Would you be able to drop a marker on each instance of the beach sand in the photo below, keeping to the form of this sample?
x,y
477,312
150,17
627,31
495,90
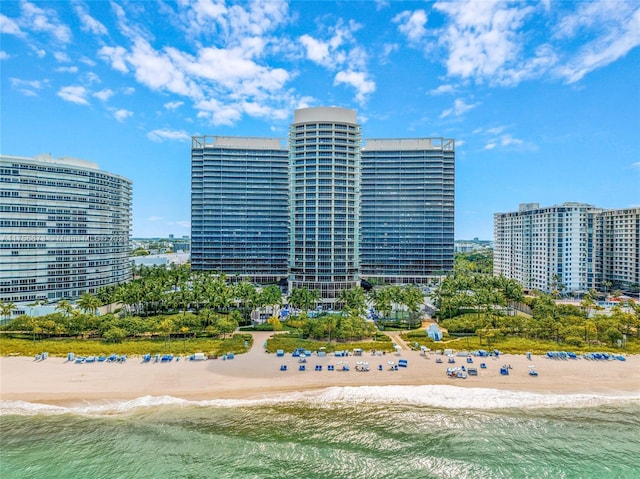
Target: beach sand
x,y
257,375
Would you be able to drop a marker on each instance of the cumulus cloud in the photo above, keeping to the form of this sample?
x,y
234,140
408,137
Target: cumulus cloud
x,y
608,45
88,23
412,24
4,55
163,134
121,114
74,94
45,20
459,108
508,141
8,26
67,69
442,89
104,95
359,81
116,56
26,87
482,37
173,105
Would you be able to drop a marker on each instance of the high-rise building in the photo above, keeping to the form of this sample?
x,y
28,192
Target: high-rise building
x,y
65,228
239,200
407,218
618,248
321,209
324,202
568,248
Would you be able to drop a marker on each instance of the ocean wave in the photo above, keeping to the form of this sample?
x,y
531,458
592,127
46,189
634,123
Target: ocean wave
x,y
446,397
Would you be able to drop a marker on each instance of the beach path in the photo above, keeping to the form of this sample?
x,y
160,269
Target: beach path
x,y
395,337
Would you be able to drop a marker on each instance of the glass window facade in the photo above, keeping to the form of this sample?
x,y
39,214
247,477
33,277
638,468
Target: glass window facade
x,y
65,228
407,220
239,199
324,206
322,210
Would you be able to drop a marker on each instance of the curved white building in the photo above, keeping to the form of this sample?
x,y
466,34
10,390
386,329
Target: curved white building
x,y
65,228
324,200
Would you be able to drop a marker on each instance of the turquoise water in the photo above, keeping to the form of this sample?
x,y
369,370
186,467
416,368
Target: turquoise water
x,y
387,432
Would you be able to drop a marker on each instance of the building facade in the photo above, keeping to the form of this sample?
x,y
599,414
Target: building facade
x,y
322,209
618,249
324,201
407,219
65,228
571,247
239,207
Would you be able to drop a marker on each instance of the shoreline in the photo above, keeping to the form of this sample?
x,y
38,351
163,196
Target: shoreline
x,y
256,375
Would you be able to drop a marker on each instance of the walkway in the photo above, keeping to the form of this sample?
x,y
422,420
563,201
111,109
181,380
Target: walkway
x,y
395,337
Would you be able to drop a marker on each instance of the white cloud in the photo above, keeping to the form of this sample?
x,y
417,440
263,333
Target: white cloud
x,y
88,23
317,51
8,26
26,87
442,89
74,94
155,218
333,52
459,108
44,20
121,114
104,95
4,55
635,165
116,56
412,24
482,38
166,134
505,141
609,45
359,81
61,57
173,105
157,70
183,223
67,69
219,113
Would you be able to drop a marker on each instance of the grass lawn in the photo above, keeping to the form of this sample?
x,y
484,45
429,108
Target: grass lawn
x,y
131,347
288,343
514,345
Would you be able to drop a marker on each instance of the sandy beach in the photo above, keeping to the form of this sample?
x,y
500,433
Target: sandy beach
x,y
257,374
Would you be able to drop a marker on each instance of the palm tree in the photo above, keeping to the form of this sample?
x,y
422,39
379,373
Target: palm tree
x,y
65,307
354,301
88,303
6,309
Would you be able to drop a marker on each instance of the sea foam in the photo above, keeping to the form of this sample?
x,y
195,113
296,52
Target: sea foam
x,y
447,397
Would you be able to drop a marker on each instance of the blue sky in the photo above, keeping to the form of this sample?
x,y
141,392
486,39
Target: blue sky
x,y
542,98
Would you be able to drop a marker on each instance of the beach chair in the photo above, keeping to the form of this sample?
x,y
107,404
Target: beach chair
x,y
302,367
283,367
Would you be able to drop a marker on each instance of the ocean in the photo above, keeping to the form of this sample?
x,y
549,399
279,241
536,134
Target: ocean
x,y
347,432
